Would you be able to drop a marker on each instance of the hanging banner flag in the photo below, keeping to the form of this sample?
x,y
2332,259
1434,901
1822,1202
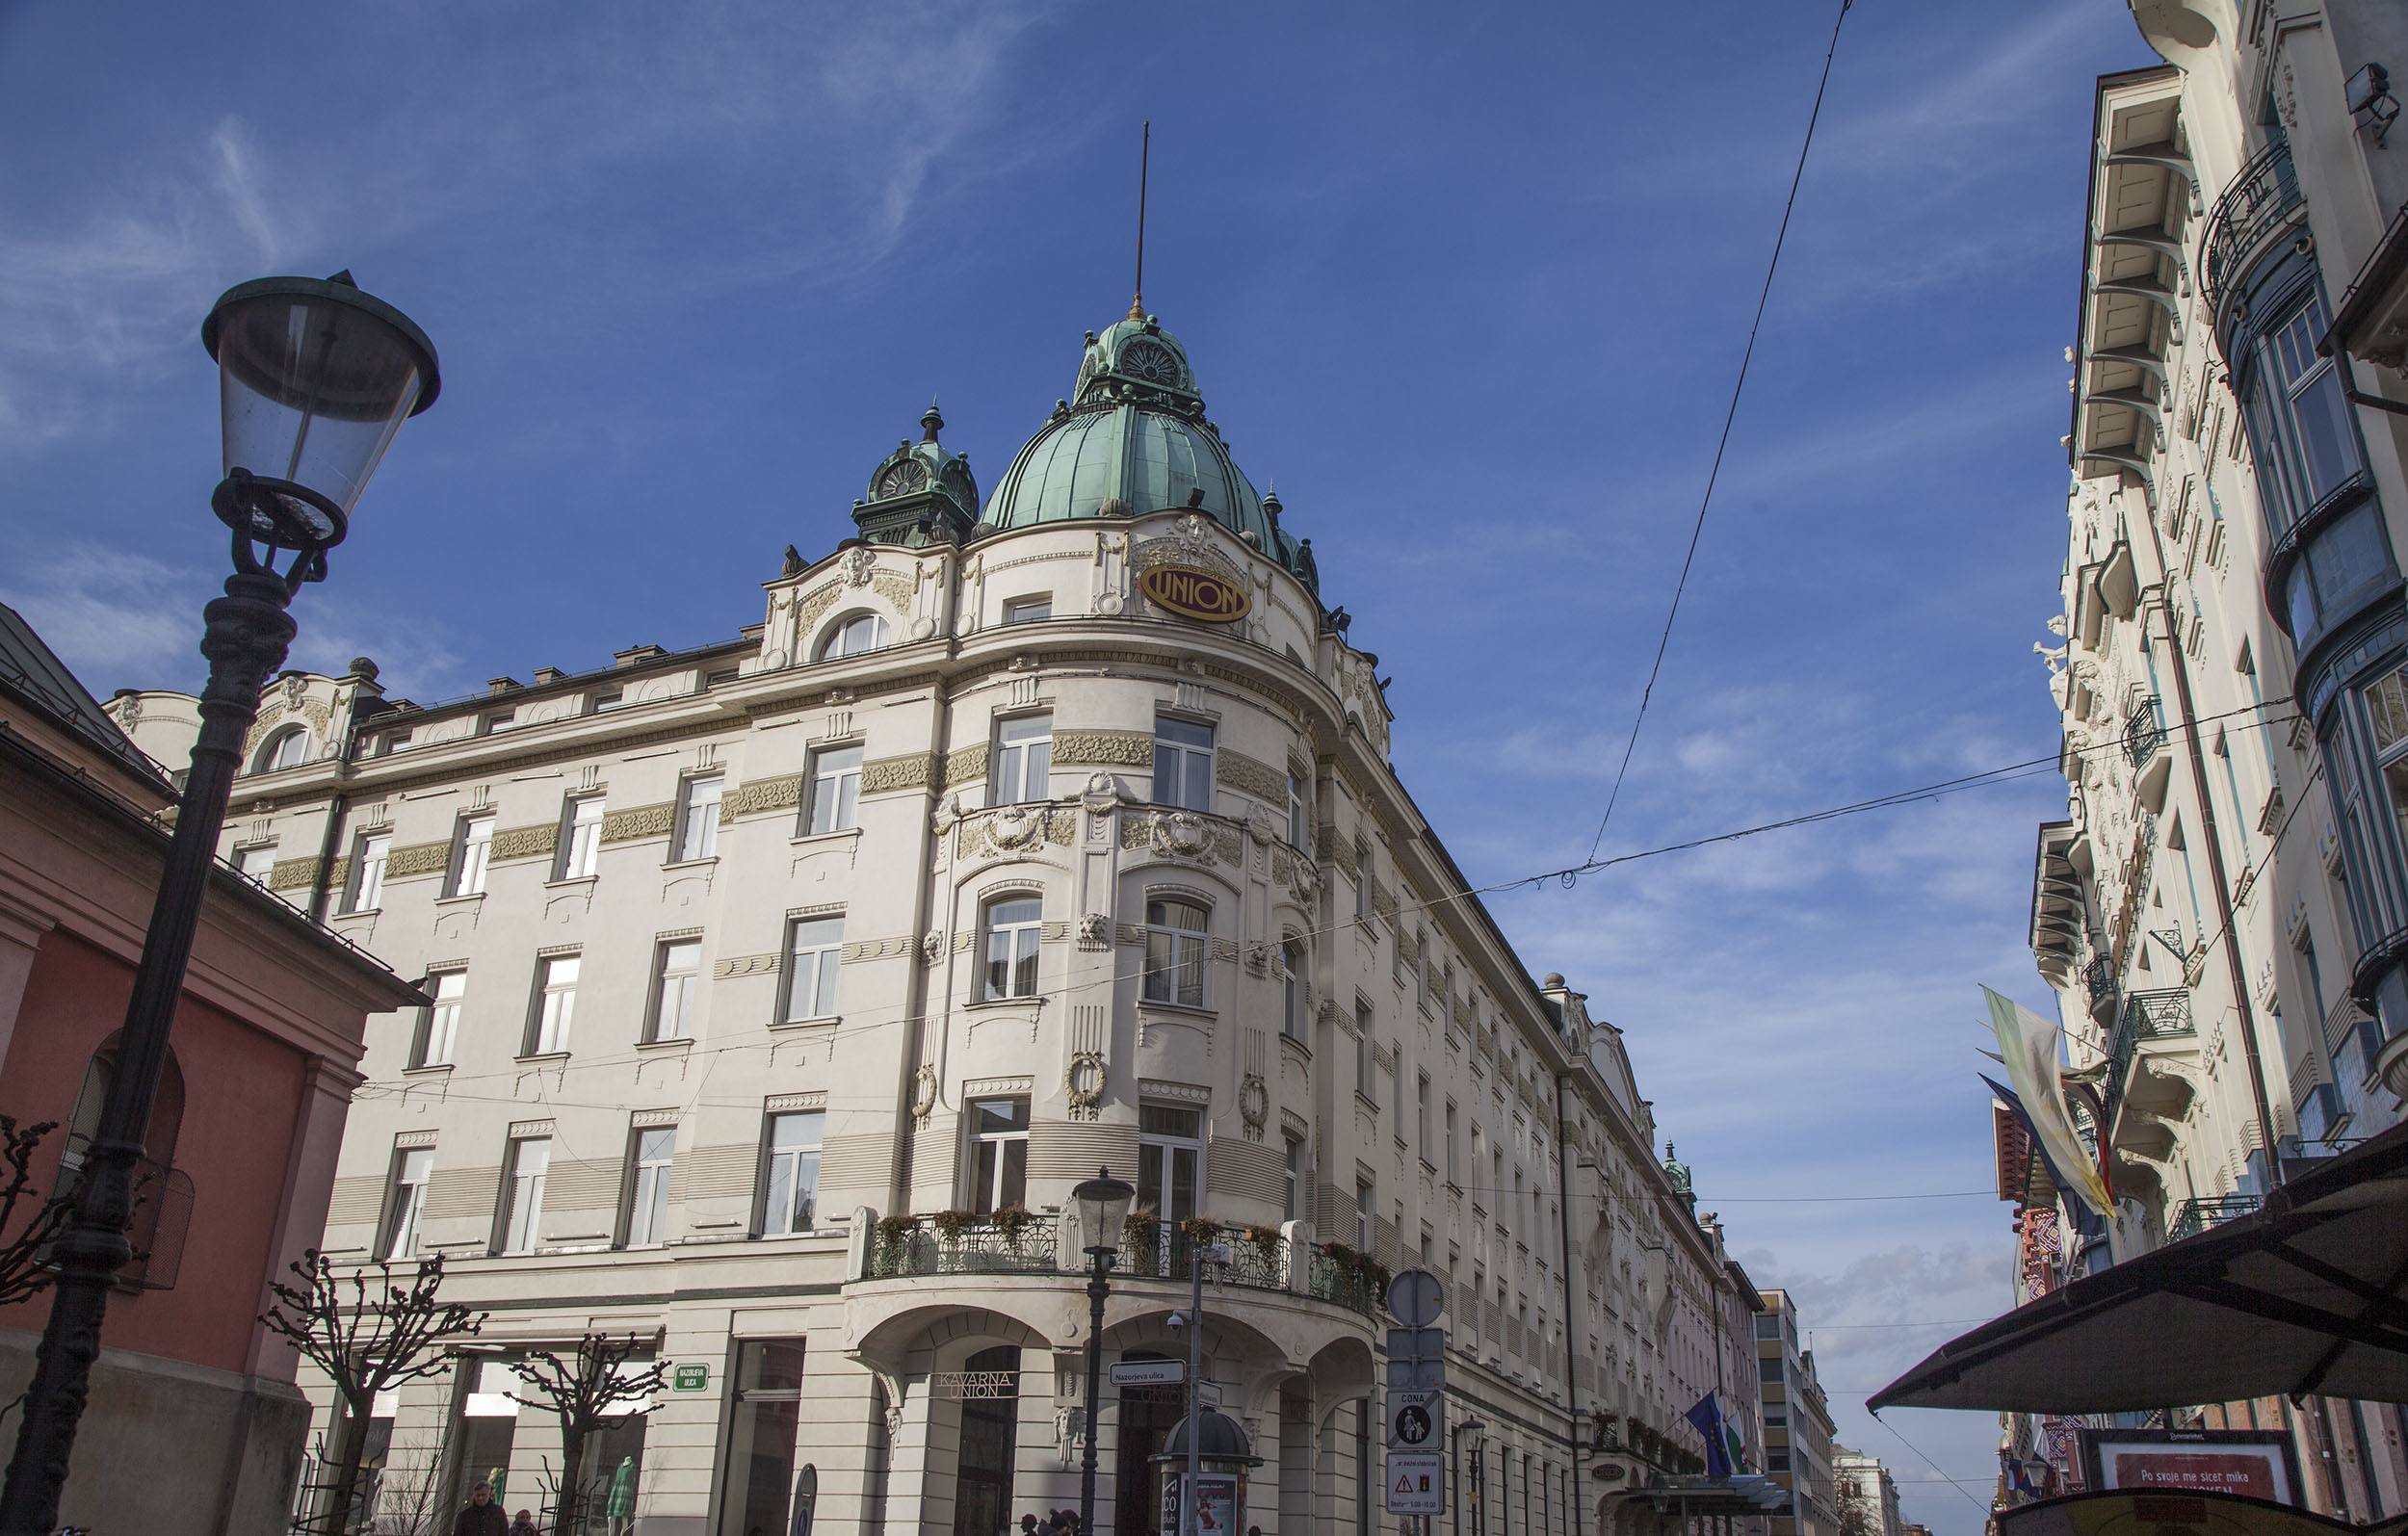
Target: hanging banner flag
x,y
2030,1045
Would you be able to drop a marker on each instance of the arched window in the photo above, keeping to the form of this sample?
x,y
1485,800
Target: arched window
x,y
166,1112
1014,924
1175,938
286,748
852,635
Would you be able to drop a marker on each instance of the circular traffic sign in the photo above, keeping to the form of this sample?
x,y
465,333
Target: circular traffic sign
x,y
1416,1297
1412,1424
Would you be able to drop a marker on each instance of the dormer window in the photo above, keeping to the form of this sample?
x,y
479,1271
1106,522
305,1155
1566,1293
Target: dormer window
x,y
286,748
852,636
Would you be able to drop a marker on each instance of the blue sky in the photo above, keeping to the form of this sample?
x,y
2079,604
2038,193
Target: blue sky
x,y
1469,282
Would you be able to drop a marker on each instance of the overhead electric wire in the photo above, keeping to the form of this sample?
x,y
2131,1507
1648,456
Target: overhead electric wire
x,y
1698,530
1569,874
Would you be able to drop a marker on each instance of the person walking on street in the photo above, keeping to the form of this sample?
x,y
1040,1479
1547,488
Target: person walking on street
x,y
481,1516
524,1524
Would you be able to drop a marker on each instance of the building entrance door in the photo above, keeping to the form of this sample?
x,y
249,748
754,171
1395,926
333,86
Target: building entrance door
x,y
1146,1417
990,1432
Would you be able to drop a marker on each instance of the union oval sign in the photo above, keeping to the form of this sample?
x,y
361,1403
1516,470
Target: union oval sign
x,y
1195,595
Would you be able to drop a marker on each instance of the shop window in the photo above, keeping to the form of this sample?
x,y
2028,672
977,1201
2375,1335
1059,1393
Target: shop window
x,y
488,1429
990,1416
759,1459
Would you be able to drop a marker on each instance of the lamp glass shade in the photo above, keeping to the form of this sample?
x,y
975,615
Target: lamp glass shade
x,y
314,379
1103,1207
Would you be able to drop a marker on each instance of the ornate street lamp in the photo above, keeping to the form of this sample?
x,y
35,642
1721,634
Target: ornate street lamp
x,y
314,379
1103,1207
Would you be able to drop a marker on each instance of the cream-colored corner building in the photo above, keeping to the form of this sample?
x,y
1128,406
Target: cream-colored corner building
x,y
784,987
2224,907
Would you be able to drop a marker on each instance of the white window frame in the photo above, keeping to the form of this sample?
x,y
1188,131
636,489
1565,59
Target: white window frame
x,y
1183,769
1015,945
1295,993
1292,1175
832,790
405,1201
807,984
798,1210
472,854
287,748
989,1187
1177,958
522,1193
1366,1202
1454,1174
1158,1155
368,852
1366,1054
438,1036
1023,760
676,980
1299,810
255,863
846,637
581,838
554,1012
1421,1114
1017,609
698,817
652,1154
1363,910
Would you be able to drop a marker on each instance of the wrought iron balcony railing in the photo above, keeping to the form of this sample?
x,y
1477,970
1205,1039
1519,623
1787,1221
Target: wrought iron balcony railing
x,y
2144,732
1154,1250
948,1244
2098,980
2258,205
2147,1016
2196,1216
1348,1279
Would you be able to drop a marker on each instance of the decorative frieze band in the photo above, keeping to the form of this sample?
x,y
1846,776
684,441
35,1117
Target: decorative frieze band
x,y
1103,749
537,842
968,765
736,965
755,796
1250,776
915,770
635,822
417,859
292,875
878,949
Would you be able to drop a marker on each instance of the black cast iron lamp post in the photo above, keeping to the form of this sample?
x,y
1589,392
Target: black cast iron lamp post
x,y
1103,1207
314,379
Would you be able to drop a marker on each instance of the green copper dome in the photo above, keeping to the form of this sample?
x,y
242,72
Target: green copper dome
x,y
1137,441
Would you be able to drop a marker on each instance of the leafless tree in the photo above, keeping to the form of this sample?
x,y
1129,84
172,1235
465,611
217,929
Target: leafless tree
x,y
411,1494
23,1272
1859,1515
369,1332
594,1391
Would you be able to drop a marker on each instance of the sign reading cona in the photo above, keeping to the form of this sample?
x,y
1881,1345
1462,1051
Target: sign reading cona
x,y
1194,594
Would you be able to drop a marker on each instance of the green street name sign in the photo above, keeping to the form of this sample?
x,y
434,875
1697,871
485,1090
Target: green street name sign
x,y
689,1378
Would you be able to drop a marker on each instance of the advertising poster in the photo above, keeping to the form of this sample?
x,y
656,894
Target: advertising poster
x,y
1220,1511
2252,1463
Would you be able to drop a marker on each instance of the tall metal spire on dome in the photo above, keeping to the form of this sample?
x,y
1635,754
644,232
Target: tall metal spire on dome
x,y
1145,156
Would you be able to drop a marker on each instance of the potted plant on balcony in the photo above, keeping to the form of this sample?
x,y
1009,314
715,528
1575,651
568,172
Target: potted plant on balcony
x,y
1013,1224
894,1242
1268,1249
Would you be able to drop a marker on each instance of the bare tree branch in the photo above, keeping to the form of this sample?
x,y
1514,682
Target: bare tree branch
x,y
593,1391
23,1270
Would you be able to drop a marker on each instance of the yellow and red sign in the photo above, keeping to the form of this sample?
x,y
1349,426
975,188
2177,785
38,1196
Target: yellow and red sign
x,y
1197,594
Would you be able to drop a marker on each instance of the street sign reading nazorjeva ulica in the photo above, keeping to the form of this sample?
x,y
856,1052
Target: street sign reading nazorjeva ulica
x,y
689,1378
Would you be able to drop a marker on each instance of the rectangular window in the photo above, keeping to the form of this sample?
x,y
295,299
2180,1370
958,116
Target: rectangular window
x,y
368,856
998,1154
1170,1152
790,1191
580,839
763,1431
677,973
522,1192
1292,1205
1768,1327
438,1024
1029,609
472,850
1299,811
1183,763
1365,1196
1776,1458
1024,759
1421,971
698,818
1366,1054
405,1202
1453,1171
649,1154
835,791
1013,926
1770,1368
605,699
1175,940
556,1004
256,863
1421,1114
1362,884
814,947
1295,994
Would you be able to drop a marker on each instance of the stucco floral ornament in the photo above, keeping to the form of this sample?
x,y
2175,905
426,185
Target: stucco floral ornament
x,y
1084,1081
1180,832
1014,827
1254,1105
858,564
923,1093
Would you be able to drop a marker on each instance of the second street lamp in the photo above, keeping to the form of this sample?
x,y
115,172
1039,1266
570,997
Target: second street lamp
x,y
314,380
1103,1207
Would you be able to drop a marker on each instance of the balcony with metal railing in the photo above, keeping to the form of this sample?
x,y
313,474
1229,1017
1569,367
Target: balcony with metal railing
x,y
2144,732
1158,1250
2098,980
2263,202
2147,1016
2196,1216
952,1244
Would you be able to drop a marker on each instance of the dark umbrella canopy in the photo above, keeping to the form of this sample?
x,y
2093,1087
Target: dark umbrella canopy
x,y
2307,1295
